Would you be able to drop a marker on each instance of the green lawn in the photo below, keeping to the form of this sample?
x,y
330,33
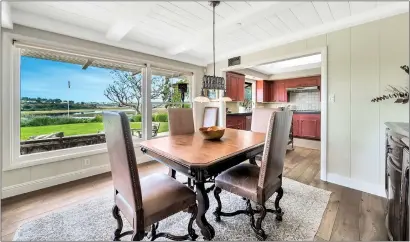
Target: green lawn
x,y
75,129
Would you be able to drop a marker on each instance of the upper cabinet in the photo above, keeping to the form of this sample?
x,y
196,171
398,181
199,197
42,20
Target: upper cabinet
x,y
235,86
263,91
275,91
303,82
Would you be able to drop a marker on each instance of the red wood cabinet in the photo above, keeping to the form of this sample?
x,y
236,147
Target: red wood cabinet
x,y
263,90
235,86
237,122
306,126
279,90
303,82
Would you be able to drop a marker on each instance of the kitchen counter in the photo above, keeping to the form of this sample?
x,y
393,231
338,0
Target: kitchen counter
x,y
306,112
239,114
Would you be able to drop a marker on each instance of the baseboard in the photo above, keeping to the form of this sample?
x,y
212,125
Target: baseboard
x,y
374,189
30,186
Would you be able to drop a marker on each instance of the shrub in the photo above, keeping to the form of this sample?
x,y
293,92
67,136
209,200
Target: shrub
x,y
136,118
97,119
45,120
161,117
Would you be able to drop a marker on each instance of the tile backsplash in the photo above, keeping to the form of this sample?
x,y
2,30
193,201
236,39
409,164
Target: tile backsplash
x,y
298,101
305,100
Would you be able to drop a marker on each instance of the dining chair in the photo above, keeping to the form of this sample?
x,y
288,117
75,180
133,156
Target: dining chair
x,y
259,123
180,122
255,183
143,202
210,116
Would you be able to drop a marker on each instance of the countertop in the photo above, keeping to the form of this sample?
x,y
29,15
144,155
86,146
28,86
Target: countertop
x,y
239,114
400,128
306,112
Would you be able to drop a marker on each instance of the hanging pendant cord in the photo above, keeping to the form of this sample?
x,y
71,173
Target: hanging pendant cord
x,y
213,5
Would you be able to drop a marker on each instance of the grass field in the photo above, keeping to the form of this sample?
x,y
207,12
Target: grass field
x,y
75,129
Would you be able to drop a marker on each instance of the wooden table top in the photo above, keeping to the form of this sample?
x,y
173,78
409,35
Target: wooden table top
x,y
194,150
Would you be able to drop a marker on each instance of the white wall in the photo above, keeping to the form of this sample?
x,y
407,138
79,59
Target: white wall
x,y
294,74
362,61
31,178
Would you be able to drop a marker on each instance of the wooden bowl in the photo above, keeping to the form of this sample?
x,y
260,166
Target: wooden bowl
x,y
212,133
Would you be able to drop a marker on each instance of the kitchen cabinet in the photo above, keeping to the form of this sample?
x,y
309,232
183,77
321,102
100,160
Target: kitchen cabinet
x,y
279,91
235,86
242,122
263,91
306,126
303,82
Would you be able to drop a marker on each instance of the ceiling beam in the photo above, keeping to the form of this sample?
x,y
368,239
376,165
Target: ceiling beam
x,y
6,21
118,30
87,64
231,22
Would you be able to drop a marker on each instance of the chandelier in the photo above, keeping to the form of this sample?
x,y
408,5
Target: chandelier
x,y
212,82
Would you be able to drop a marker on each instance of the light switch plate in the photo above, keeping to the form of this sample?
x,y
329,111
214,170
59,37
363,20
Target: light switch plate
x,y
332,98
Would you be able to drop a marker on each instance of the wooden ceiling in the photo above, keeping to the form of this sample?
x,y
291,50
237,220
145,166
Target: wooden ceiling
x,y
183,30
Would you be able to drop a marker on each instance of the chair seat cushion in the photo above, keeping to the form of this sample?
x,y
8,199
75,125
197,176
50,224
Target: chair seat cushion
x,y
162,196
242,180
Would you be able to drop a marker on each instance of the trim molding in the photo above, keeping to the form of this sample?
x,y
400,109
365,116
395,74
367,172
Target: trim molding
x,y
30,186
375,189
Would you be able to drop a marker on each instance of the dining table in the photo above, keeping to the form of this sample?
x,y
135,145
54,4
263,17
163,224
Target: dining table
x,y
202,160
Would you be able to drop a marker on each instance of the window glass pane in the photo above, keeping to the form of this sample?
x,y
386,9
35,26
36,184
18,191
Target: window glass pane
x,y
168,90
62,102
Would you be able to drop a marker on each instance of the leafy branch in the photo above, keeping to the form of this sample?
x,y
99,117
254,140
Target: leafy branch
x,y
401,94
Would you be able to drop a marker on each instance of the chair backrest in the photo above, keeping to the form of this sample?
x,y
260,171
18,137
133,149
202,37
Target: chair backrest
x,y
210,116
276,142
122,159
260,119
180,121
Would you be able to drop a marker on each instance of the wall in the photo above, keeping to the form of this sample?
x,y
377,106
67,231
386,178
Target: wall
x,y
31,178
362,61
294,74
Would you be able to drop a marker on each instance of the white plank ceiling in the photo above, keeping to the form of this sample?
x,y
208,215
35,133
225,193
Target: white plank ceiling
x,y
183,30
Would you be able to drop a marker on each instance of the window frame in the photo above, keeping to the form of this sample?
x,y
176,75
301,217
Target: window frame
x,y
10,107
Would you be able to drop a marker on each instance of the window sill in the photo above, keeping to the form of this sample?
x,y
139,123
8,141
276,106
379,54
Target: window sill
x,y
67,155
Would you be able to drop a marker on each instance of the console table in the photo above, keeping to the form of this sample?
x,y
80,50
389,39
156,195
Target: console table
x,y
397,180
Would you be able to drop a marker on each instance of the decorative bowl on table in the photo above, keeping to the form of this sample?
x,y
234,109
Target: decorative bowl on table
x,y
212,133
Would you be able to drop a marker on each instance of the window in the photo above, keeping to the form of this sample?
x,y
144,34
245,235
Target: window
x,y
57,98
168,90
62,98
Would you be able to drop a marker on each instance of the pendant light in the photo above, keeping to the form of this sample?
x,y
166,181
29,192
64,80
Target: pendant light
x,y
213,82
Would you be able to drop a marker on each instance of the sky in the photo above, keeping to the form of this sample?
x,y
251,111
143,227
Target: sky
x,y
49,79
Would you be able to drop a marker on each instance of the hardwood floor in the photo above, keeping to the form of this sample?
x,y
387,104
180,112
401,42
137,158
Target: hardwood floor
x,y
350,214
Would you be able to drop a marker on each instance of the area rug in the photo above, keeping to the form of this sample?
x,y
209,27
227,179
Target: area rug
x,y
303,208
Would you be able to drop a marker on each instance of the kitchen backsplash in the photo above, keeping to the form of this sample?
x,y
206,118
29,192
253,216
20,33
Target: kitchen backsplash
x,y
300,101
305,100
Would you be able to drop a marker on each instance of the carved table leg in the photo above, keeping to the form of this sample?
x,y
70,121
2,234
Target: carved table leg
x,y
203,205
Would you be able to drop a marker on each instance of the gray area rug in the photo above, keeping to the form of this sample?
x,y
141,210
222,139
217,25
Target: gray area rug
x,y
303,208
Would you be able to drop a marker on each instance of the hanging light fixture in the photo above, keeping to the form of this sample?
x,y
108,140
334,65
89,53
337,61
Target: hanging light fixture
x,y
213,82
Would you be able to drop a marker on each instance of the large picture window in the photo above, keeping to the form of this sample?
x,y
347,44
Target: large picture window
x,y
57,99
62,100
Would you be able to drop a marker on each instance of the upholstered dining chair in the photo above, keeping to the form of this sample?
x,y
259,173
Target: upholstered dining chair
x,y
180,121
210,116
143,202
260,121
255,183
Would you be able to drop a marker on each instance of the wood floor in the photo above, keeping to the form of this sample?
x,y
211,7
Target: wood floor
x,y
350,214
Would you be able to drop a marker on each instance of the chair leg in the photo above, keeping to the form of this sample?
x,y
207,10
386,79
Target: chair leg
x,y
278,209
218,209
257,228
117,216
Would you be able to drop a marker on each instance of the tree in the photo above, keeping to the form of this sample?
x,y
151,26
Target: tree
x,y
126,90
